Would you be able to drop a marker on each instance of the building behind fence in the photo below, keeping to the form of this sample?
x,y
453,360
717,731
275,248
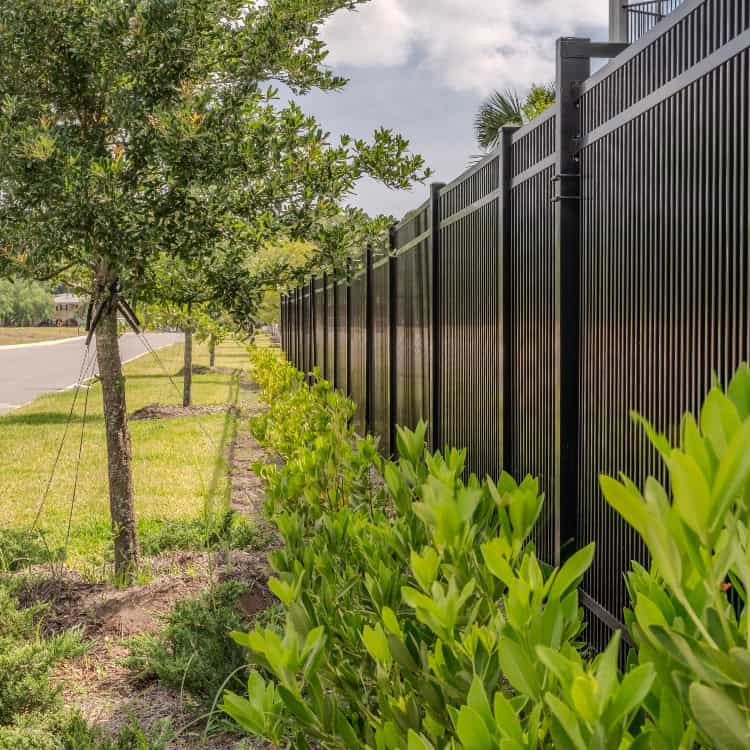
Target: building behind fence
x,y
595,263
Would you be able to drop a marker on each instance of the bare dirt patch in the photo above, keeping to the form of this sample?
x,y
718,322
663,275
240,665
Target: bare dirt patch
x,y
161,411
103,610
98,684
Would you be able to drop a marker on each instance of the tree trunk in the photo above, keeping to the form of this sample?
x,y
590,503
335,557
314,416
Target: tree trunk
x,y
212,351
187,380
119,452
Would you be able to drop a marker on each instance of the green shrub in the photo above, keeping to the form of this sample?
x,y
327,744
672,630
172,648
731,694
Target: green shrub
x,y
194,651
418,617
66,730
26,661
227,530
682,619
22,548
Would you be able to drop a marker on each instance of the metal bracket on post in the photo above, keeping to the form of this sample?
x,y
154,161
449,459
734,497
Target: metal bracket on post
x,y
573,66
436,342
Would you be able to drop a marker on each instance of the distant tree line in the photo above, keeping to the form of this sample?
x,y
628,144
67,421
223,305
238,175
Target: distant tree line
x,y
24,303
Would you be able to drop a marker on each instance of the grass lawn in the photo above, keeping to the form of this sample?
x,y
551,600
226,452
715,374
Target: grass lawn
x,y
179,464
10,336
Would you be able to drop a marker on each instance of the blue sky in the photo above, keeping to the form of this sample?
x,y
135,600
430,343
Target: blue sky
x,y
422,67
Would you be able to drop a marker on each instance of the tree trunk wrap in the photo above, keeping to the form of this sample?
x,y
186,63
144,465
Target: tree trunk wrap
x,y
211,351
119,451
187,381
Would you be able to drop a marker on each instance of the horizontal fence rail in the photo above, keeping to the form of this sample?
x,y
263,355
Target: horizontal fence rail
x,y
597,262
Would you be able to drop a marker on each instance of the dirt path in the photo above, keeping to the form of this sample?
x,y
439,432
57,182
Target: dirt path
x,y
98,684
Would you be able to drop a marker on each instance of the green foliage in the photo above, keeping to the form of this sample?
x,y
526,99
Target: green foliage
x,y
418,617
228,531
507,108
22,548
24,303
26,662
408,588
66,730
682,618
194,651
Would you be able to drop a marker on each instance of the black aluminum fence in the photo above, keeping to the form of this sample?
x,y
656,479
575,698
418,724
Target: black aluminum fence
x,y
597,262
643,16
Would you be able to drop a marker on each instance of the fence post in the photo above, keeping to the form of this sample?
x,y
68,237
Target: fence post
x,y
618,21
573,67
437,332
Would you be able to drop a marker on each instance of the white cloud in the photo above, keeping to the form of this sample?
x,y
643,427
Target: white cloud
x,y
469,45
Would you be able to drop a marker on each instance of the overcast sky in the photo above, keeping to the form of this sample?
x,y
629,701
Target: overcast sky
x,y
422,67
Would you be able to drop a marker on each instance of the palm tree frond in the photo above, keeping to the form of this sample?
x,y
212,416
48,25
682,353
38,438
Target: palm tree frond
x,y
498,110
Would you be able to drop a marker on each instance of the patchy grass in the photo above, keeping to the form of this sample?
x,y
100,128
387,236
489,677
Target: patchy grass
x,y
12,336
179,464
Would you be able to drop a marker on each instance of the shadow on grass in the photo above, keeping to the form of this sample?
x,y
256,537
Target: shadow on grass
x,y
228,433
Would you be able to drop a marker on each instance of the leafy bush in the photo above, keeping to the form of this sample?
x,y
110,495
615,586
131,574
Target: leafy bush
x,y
418,616
194,651
682,619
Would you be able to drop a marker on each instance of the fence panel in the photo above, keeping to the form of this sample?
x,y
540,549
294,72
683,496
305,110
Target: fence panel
x,y
411,277
532,370
329,371
643,16
308,332
469,292
664,275
319,324
341,335
358,348
379,360
299,328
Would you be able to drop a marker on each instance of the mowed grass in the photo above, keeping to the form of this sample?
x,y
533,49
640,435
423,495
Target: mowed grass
x,y
12,336
180,466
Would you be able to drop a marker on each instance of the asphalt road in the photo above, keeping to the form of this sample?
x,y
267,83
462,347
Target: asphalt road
x,y
27,371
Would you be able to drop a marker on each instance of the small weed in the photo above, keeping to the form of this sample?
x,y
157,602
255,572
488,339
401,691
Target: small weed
x,y
22,548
